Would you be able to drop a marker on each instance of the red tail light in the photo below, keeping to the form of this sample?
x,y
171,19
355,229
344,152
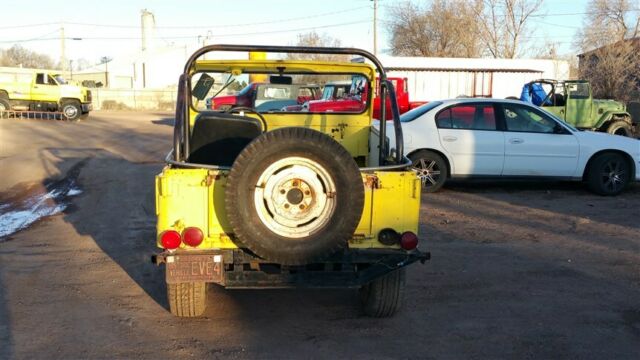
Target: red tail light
x,y
170,239
192,236
409,240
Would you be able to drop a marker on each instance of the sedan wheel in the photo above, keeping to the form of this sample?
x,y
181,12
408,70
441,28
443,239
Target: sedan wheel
x,y
608,174
430,168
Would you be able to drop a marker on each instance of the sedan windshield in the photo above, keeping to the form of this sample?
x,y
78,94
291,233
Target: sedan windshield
x,y
419,111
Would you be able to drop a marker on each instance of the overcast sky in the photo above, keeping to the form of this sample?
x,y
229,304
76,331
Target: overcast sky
x,y
112,28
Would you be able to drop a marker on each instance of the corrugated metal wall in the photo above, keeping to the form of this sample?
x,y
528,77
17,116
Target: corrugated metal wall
x,y
425,85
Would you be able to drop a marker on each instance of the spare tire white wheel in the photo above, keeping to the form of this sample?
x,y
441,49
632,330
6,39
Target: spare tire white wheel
x,y
293,196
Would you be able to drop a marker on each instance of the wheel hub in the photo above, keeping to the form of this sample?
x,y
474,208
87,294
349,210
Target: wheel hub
x,y
70,111
612,176
428,171
295,197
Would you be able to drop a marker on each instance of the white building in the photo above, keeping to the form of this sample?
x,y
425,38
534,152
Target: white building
x,y
443,78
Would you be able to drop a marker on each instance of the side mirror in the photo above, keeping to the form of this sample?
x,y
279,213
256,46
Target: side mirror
x,y
202,87
559,129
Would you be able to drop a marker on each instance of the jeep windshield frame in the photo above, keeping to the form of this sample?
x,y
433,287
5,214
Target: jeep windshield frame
x,y
182,131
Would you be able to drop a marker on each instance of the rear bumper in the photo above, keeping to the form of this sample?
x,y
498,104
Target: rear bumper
x,y
347,269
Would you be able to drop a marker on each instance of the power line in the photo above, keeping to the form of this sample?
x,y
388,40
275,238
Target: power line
x,y
195,36
580,13
558,25
196,26
547,14
29,25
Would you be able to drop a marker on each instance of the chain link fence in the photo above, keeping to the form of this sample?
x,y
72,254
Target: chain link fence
x,y
130,99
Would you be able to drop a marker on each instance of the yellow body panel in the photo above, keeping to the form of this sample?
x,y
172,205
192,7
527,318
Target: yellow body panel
x,y
195,197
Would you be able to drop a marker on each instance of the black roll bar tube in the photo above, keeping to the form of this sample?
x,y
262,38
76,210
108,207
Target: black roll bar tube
x,y
178,126
384,152
300,50
397,126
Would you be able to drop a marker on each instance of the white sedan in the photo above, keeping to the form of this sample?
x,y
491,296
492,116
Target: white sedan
x,y
468,138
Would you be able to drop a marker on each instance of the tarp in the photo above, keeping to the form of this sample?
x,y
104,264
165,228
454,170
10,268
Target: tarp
x,y
534,93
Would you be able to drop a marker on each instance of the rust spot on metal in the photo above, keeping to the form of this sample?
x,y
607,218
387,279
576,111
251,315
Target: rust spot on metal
x,y
372,182
209,179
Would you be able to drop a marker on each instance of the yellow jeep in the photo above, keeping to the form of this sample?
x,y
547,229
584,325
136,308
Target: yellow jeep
x,y
284,198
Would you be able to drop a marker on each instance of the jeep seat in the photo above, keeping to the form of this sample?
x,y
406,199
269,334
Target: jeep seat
x,y
217,138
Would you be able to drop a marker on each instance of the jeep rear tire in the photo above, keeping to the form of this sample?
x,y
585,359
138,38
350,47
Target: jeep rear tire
x,y
383,296
187,299
71,109
293,196
620,127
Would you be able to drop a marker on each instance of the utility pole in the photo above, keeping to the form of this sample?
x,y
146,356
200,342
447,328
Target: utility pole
x,y
375,27
63,57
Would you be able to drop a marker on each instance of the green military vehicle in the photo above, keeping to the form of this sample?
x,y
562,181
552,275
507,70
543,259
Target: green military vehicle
x,y
572,101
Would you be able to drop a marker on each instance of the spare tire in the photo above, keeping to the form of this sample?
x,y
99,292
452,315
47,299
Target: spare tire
x,y
293,196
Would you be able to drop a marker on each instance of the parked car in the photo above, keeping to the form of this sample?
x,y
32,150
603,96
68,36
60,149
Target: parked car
x,y
572,101
331,91
357,95
465,138
266,97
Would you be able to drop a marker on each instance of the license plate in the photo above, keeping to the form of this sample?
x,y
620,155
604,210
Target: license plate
x,y
194,268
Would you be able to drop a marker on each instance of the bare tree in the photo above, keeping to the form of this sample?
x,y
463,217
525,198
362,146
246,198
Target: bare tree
x,y
444,28
610,45
19,56
313,39
461,28
502,25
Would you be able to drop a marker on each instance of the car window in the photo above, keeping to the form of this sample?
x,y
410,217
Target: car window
x,y
443,119
40,79
51,81
467,117
305,92
419,111
578,90
525,119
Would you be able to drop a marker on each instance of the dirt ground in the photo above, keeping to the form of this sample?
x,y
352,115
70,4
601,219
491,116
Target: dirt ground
x,y
518,270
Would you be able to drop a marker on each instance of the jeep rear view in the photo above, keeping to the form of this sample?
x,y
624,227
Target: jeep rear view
x,y
278,199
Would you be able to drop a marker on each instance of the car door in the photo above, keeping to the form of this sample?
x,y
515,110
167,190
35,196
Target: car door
x,y
536,144
45,88
469,134
579,104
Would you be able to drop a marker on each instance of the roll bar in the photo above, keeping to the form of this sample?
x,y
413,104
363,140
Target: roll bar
x,y
181,148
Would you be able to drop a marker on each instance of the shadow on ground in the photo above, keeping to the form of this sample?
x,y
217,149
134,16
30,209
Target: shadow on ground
x,y
164,121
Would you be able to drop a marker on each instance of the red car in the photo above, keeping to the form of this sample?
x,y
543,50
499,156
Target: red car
x,y
332,91
357,95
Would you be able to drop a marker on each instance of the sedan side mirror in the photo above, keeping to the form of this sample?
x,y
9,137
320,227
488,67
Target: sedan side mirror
x,y
559,129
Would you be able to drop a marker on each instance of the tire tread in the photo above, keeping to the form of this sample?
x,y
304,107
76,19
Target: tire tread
x,y
187,299
383,297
